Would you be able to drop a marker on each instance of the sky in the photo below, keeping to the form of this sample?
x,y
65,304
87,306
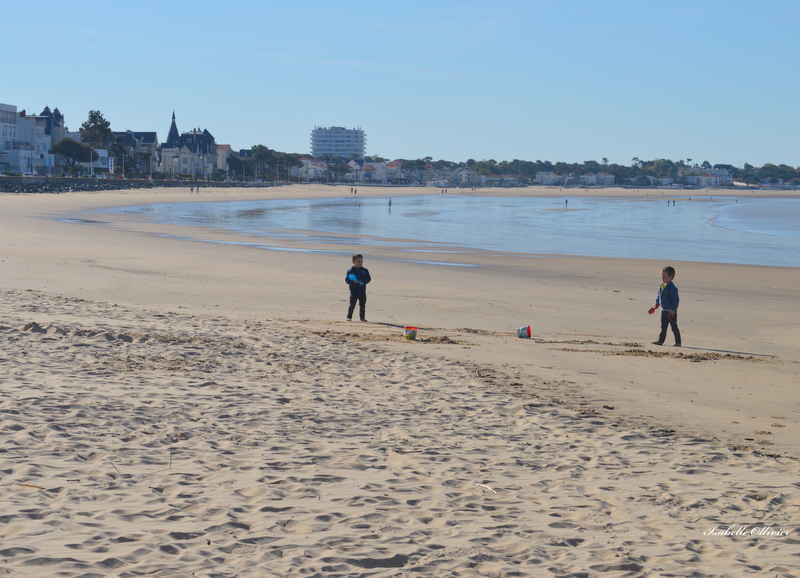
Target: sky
x,y
557,80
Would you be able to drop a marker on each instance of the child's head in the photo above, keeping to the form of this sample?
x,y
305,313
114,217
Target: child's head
x,y
667,274
358,259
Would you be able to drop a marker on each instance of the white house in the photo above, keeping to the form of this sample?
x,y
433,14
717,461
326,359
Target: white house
x,y
723,175
310,170
606,179
371,172
502,180
660,181
549,179
597,179
703,180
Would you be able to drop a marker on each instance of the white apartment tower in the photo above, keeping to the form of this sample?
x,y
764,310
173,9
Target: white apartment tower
x,y
338,141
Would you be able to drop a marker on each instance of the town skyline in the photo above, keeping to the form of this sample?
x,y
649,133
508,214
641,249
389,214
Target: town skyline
x,y
196,154
506,79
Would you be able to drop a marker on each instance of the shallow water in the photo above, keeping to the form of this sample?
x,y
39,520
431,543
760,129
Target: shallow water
x,y
705,229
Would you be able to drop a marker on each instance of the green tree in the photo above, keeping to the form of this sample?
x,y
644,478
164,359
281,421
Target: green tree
x,y
241,168
414,164
487,167
337,169
139,164
663,168
284,162
73,153
263,159
562,168
777,173
748,174
591,167
97,130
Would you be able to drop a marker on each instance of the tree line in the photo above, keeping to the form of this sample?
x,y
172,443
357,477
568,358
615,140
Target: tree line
x,y
636,173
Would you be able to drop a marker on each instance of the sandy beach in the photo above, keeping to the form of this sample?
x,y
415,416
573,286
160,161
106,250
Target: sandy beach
x,y
173,407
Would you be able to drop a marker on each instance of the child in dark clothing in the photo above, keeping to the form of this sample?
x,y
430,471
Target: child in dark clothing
x,y
357,277
668,300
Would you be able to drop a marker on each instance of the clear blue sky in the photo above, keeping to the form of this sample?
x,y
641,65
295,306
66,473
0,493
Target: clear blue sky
x,y
558,80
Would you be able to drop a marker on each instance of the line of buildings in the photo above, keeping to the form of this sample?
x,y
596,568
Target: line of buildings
x,y
350,144
394,172
27,141
692,176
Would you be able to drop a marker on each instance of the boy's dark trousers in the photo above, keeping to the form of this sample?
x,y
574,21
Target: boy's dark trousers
x,y
361,298
668,320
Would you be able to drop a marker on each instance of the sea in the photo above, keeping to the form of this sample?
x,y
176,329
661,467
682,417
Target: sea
x,y
714,229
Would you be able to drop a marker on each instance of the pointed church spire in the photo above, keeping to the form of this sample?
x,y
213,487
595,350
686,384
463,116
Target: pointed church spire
x,y
172,136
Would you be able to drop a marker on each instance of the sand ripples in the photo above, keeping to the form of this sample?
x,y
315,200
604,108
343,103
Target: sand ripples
x,y
136,444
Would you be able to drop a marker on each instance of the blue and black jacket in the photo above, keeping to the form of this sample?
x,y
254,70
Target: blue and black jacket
x,y
362,275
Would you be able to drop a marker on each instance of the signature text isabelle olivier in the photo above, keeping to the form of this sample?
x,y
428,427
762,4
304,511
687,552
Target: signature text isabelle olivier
x,y
733,530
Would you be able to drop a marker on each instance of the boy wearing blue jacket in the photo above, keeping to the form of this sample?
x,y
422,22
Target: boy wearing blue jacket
x,y
357,277
668,300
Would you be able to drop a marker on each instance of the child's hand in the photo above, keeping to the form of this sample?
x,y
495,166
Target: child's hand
x,y
652,309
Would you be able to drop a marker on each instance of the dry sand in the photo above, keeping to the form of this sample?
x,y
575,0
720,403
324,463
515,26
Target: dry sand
x,y
176,408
